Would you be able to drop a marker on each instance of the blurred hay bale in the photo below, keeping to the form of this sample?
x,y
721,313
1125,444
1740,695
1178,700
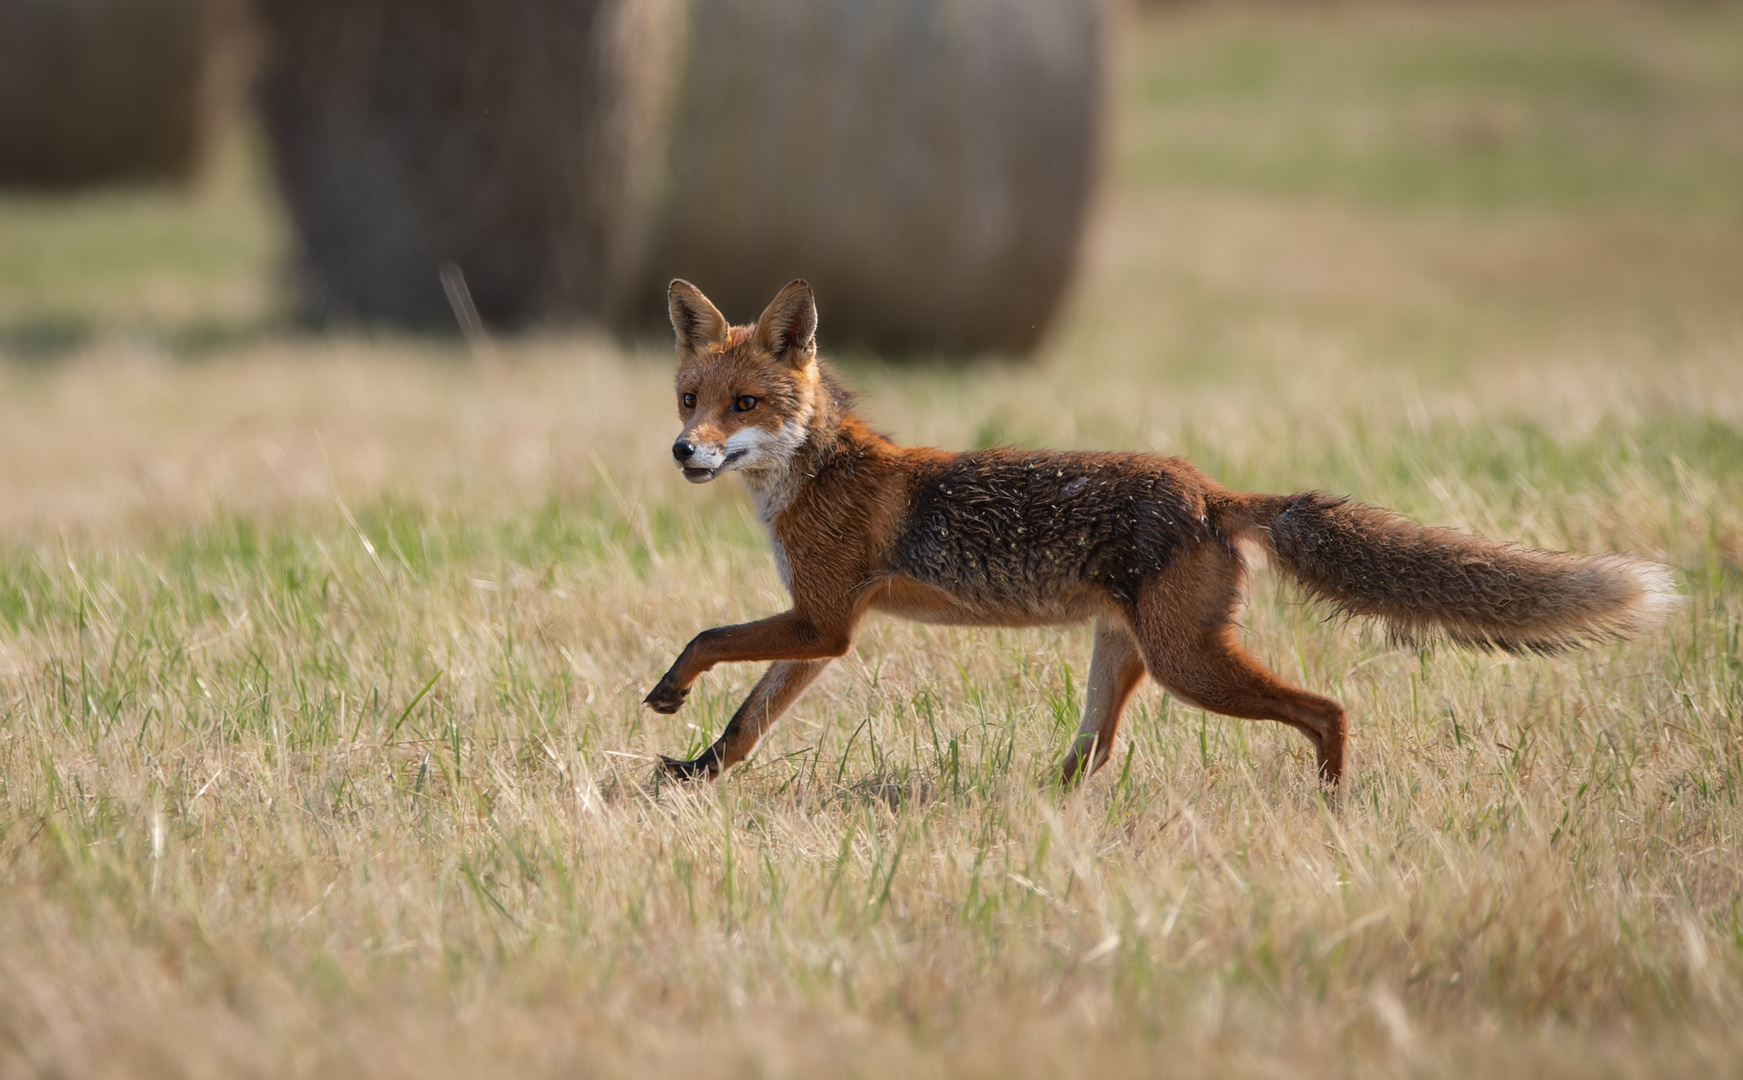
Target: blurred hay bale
x,y
102,90
514,141
926,164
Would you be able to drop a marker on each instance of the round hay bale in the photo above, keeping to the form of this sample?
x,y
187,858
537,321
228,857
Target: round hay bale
x,y
95,91
926,164
513,141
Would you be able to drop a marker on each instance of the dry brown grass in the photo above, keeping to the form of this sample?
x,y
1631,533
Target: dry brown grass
x,y
320,750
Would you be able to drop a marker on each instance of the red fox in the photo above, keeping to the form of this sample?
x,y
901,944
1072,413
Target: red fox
x,y
1145,546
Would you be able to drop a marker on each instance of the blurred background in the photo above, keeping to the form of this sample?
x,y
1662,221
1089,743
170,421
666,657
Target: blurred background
x,y
199,173
340,536
552,162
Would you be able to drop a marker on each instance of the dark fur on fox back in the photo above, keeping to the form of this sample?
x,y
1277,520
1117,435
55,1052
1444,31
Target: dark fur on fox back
x,y
1428,584
1003,526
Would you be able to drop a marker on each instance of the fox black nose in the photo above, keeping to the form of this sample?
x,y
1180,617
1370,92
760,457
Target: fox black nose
x,y
683,450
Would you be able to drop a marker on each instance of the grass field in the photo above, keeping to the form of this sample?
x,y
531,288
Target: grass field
x,y
320,656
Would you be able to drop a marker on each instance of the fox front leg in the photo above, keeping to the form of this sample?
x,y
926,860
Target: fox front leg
x,y
667,696
787,636
779,687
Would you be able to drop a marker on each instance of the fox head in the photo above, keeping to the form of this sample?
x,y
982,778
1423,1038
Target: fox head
x,y
746,394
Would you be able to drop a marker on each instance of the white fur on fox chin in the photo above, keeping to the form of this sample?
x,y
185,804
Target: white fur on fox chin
x,y
773,485
769,470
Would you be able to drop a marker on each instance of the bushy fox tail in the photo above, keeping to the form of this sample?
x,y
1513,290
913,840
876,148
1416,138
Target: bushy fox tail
x,y
1427,584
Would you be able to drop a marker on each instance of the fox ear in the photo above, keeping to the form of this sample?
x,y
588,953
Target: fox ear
x,y
788,329
695,321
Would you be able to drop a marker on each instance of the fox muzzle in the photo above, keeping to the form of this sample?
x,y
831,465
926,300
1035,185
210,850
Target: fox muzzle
x,y
700,461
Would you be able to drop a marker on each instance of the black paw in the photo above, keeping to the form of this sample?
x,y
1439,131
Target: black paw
x,y
666,698
704,766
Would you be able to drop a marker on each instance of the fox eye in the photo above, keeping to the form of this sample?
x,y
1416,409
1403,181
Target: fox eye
x,y
689,401
745,403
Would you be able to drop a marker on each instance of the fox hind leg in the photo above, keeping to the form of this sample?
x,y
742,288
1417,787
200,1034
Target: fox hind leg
x,y
773,694
1185,632
1226,680
1115,669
